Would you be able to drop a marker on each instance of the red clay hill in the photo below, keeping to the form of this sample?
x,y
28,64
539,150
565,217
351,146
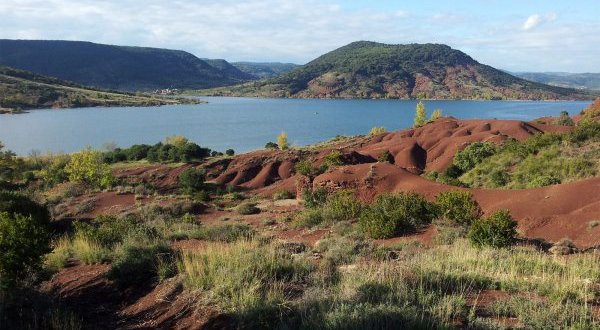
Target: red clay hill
x,y
550,213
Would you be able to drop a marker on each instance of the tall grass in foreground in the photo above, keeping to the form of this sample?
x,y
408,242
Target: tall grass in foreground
x,y
433,288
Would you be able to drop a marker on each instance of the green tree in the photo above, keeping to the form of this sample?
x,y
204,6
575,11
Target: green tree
x,y
87,166
420,115
282,141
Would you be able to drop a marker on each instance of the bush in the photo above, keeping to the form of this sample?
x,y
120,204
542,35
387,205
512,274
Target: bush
x,y
564,119
230,152
544,180
305,167
392,215
473,154
87,166
223,233
341,206
192,180
24,240
385,157
247,209
271,145
107,230
500,178
335,158
314,198
138,264
377,130
585,130
498,230
308,218
283,194
458,207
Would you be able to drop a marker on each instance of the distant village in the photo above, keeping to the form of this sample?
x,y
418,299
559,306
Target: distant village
x,y
167,91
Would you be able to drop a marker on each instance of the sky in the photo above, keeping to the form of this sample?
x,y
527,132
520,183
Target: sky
x,y
514,35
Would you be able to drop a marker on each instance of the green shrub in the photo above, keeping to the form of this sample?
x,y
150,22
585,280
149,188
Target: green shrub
x,y
305,167
500,178
138,264
585,130
341,206
24,240
335,158
473,154
223,233
308,218
192,180
283,194
247,209
314,198
498,230
392,215
564,119
271,145
229,152
385,157
458,207
544,180
107,230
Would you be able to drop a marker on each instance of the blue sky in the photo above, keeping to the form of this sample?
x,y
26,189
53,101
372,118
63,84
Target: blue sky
x,y
526,35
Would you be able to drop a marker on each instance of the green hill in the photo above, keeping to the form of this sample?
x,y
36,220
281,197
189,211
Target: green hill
x,y
373,70
115,67
25,90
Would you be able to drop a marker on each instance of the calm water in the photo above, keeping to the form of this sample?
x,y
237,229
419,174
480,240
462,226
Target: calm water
x,y
242,124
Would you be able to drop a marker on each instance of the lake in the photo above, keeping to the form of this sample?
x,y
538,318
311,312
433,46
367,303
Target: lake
x,y
242,124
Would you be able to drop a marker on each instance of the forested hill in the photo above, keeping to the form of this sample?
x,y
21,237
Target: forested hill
x,y
366,69
116,67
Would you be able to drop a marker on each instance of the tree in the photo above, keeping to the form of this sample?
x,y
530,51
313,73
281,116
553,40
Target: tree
x,y
420,115
282,141
176,140
437,114
87,166
229,152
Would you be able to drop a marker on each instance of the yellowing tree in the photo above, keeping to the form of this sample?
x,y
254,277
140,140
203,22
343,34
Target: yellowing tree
x,y
176,140
282,141
437,114
87,166
377,130
420,115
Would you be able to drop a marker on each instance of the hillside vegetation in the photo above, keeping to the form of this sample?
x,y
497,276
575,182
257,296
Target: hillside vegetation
x,y
25,90
373,70
542,160
116,67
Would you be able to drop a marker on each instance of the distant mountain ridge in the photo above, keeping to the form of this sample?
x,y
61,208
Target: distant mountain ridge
x,y
117,67
261,70
367,69
563,79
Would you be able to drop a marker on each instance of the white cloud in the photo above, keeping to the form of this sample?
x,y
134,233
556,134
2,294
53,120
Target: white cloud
x,y
536,20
